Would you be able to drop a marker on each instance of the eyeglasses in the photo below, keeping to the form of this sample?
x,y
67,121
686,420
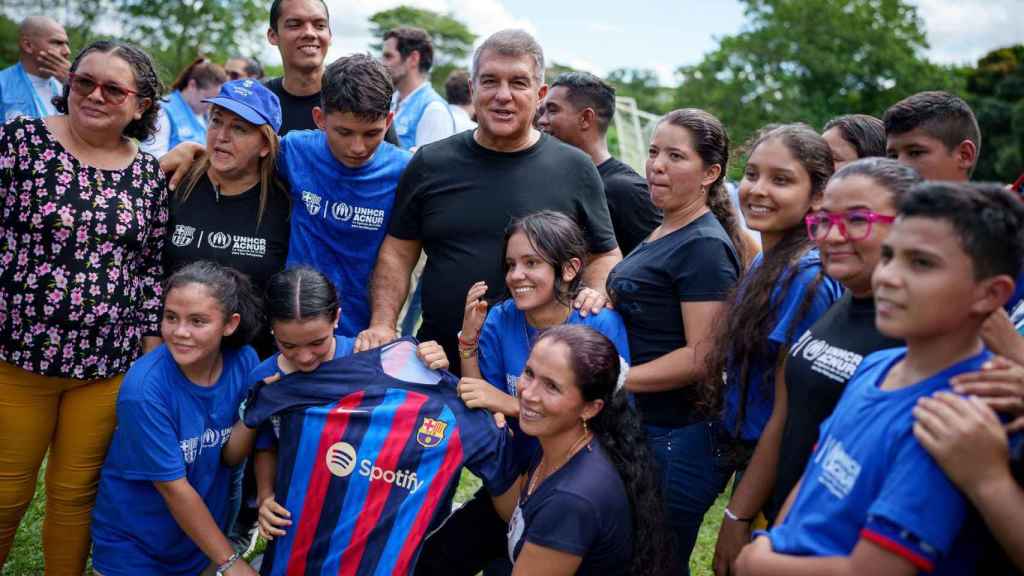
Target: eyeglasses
x,y
85,86
853,225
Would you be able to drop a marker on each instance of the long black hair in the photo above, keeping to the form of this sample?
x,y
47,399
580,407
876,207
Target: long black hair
x,y
752,310
557,239
232,291
301,293
595,363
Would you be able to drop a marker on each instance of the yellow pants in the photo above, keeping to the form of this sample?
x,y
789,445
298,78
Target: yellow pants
x,y
74,419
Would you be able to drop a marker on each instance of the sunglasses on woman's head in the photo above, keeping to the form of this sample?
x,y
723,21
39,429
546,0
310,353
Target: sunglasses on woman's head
x,y
85,86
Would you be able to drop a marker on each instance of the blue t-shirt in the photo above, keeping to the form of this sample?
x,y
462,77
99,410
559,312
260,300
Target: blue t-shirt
x,y
870,478
761,371
369,456
582,509
506,339
167,428
340,215
266,439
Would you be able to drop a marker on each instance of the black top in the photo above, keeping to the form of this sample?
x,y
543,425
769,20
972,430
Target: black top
x,y
227,230
818,367
582,509
696,263
456,197
297,111
629,204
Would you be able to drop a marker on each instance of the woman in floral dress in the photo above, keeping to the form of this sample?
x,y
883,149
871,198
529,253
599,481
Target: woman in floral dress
x,y
83,217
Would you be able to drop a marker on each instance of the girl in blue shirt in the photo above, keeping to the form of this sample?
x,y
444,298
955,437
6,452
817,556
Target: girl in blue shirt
x,y
163,491
303,308
782,295
544,256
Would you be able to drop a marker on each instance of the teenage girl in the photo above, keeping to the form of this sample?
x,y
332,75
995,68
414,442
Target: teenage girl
x,y
163,492
781,296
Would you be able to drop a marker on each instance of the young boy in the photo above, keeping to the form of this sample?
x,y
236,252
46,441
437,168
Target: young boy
x,y
342,179
935,133
871,500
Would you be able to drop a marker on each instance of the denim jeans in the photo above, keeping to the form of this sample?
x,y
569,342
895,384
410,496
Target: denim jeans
x,y
692,476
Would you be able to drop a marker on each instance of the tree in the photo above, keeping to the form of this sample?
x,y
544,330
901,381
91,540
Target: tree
x,y
995,90
642,85
452,40
811,60
8,42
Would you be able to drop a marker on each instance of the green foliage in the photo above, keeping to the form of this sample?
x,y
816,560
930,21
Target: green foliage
x,y
8,42
996,93
642,85
452,40
811,60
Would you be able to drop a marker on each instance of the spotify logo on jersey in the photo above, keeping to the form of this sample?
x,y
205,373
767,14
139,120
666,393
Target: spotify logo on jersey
x,y
341,459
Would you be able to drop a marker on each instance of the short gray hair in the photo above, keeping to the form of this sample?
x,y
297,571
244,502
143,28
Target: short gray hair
x,y
512,42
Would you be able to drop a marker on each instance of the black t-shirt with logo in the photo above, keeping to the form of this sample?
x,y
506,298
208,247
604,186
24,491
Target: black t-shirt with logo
x,y
629,204
297,111
227,230
818,367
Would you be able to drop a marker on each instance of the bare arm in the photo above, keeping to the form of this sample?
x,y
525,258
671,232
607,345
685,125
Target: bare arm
x,y
239,446
534,559
682,366
192,515
388,290
178,161
265,469
758,481
758,559
595,273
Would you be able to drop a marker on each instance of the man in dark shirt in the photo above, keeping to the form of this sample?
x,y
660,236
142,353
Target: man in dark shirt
x,y
457,196
301,30
578,110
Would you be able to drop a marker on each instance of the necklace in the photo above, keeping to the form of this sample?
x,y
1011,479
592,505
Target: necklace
x,y
542,473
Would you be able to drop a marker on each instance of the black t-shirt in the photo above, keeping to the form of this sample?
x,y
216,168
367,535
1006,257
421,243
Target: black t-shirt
x,y
696,263
227,230
457,197
629,204
818,367
297,111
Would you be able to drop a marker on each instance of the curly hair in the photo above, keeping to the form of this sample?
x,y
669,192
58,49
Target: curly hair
x,y
753,311
557,240
147,84
595,363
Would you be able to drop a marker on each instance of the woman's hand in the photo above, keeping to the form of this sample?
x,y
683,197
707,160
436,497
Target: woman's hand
x,y
965,437
1001,337
590,301
476,311
733,535
1000,384
273,517
477,393
751,555
432,355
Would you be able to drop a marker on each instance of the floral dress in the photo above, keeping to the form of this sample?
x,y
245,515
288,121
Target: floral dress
x,y
80,256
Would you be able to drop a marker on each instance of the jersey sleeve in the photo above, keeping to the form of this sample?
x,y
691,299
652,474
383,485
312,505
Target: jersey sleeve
x,y
592,212
919,512
489,354
704,270
152,449
826,292
407,217
565,522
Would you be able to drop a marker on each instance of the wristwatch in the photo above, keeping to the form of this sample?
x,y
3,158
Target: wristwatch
x,y
228,564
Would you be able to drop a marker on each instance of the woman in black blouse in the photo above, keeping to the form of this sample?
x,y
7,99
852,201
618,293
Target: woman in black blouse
x,y
83,218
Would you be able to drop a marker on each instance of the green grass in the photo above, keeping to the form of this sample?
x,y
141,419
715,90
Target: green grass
x,y
26,557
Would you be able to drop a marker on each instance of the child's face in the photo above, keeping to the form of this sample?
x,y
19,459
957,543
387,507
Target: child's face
x,y
775,193
306,344
926,154
352,139
193,325
530,279
924,284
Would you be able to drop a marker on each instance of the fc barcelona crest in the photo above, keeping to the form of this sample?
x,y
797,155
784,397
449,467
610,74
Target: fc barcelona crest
x,y
431,432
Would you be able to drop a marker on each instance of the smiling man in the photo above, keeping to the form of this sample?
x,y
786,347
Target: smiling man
x,y
301,30
458,194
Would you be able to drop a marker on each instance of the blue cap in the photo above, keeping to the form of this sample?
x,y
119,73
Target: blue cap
x,y
251,100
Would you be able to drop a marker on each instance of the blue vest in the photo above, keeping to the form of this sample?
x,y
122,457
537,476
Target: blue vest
x,y
18,97
185,126
411,110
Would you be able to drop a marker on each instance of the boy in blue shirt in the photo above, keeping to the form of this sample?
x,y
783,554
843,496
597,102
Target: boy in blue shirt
x,y
342,179
871,500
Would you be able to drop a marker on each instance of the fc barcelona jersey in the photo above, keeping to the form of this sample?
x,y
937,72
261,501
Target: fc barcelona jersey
x,y
369,454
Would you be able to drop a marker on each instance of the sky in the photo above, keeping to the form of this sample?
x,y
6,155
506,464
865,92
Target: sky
x,y
601,35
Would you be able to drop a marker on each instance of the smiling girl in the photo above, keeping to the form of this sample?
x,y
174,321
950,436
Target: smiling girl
x,y
163,491
782,295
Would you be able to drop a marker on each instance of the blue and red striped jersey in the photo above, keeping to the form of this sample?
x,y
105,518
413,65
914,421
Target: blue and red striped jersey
x,y
369,455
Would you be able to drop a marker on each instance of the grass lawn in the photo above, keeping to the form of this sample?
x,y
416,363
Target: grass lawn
x,y
26,557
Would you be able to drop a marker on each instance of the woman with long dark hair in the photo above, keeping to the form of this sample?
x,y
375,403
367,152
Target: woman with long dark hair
x,y
590,502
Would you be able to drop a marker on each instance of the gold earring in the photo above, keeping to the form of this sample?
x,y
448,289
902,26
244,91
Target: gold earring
x,y
584,420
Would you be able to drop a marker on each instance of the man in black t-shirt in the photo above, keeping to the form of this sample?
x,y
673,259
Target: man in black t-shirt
x,y
301,30
578,110
458,194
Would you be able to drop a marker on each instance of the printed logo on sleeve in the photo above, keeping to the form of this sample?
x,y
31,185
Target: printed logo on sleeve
x,y
839,471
